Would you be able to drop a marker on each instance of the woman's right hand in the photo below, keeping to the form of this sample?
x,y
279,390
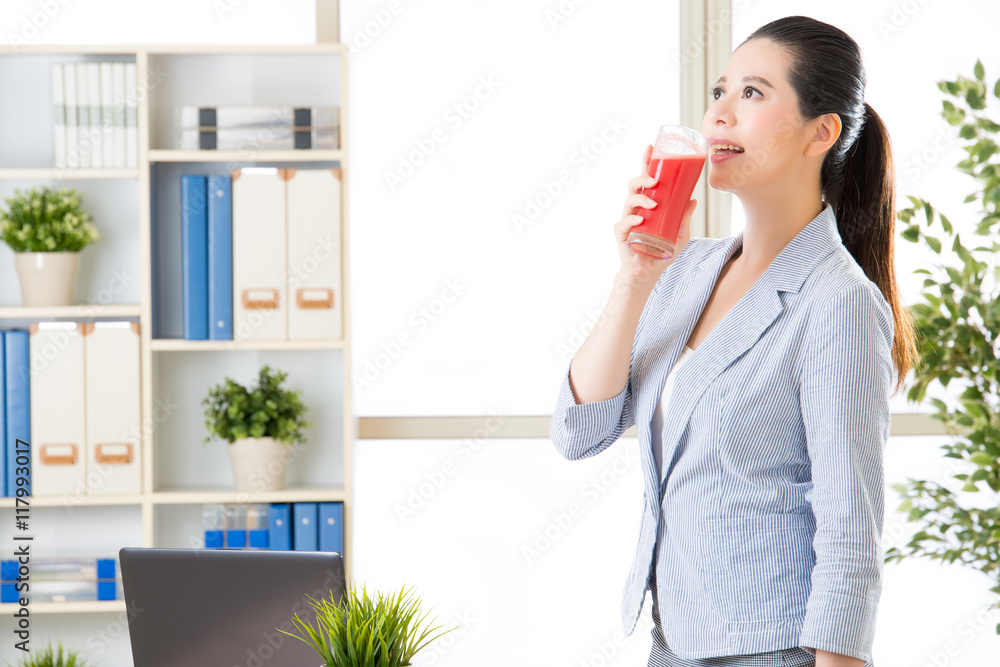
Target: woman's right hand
x,y
639,270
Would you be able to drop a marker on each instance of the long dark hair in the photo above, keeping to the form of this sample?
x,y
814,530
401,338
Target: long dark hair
x,y
857,176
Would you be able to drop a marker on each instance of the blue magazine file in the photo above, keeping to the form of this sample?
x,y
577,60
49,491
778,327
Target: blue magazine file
x,y
220,257
194,255
305,533
18,405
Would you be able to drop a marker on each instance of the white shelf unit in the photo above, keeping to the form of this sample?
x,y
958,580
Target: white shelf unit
x,y
131,207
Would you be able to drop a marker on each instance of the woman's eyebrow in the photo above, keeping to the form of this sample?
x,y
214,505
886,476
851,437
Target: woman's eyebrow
x,y
755,79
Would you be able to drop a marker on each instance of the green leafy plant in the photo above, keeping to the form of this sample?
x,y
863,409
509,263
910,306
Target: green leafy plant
x,y
51,657
233,411
46,220
361,631
958,330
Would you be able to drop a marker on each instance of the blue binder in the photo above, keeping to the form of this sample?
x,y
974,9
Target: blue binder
x,y
4,489
194,256
305,533
331,527
279,521
220,258
18,405
236,539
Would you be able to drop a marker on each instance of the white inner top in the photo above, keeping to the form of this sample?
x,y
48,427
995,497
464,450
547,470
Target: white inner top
x,y
661,410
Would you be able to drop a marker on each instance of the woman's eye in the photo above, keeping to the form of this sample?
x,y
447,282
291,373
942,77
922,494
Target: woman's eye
x,y
716,93
752,90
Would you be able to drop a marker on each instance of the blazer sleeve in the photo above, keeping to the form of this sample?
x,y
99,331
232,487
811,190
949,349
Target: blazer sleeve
x,y
582,430
844,394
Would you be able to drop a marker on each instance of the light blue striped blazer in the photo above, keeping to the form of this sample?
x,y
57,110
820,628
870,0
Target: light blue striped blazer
x,y
769,512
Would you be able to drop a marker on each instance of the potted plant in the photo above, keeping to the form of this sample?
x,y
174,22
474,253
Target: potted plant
x,y
259,424
50,657
359,631
957,328
46,229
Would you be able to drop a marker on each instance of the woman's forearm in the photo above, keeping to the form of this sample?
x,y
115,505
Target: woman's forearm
x,y
828,659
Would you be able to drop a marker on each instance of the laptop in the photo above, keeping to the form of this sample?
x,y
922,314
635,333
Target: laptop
x,y
222,607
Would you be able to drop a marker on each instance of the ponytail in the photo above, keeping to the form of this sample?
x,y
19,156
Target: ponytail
x,y
857,174
864,202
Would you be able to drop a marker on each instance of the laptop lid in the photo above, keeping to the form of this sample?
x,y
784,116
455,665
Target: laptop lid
x,y
222,608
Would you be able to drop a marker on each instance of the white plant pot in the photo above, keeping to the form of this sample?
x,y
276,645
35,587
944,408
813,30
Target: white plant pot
x,y
46,278
258,464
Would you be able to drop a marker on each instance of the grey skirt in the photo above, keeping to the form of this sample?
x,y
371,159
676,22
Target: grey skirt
x,y
662,656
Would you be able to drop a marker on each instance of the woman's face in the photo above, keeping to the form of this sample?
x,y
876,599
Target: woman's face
x,y
754,108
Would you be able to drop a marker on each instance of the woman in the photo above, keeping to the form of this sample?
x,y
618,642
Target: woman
x,y
758,369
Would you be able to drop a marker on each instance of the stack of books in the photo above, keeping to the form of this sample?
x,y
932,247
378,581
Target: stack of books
x,y
258,128
94,107
261,256
60,580
279,526
76,403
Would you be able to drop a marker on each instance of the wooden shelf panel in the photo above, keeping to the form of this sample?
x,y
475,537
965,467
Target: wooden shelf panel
x,y
200,496
89,606
301,155
57,174
166,49
69,500
179,345
22,312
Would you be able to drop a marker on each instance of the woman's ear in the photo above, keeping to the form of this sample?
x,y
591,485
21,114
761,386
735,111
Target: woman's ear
x,y
826,131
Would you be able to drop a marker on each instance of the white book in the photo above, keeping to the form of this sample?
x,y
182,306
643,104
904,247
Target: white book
x,y
107,122
131,117
260,310
58,117
94,91
57,409
315,300
257,138
325,116
119,113
84,143
72,134
114,442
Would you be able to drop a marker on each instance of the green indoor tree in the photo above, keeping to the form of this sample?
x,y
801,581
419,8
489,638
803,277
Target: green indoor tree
x,y
958,326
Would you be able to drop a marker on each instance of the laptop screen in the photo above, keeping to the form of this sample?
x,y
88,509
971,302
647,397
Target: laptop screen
x,y
223,608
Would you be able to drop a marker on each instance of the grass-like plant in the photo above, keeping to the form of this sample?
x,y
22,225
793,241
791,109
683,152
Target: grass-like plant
x,y
233,411
362,631
52,657
46,220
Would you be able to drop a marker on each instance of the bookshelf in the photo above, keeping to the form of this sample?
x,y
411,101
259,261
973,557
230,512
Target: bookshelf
x,y
137,214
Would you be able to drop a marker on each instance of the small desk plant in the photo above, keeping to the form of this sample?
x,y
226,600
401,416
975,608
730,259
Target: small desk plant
x,y
260,425
360,631
48,656
46,229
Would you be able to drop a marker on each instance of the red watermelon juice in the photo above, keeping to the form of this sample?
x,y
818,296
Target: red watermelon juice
x,y
676,176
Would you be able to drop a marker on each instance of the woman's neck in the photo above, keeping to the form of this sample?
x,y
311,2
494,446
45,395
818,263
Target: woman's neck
x,y
771,223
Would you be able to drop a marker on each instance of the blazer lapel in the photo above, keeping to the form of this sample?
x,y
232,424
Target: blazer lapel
x,y
738,330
